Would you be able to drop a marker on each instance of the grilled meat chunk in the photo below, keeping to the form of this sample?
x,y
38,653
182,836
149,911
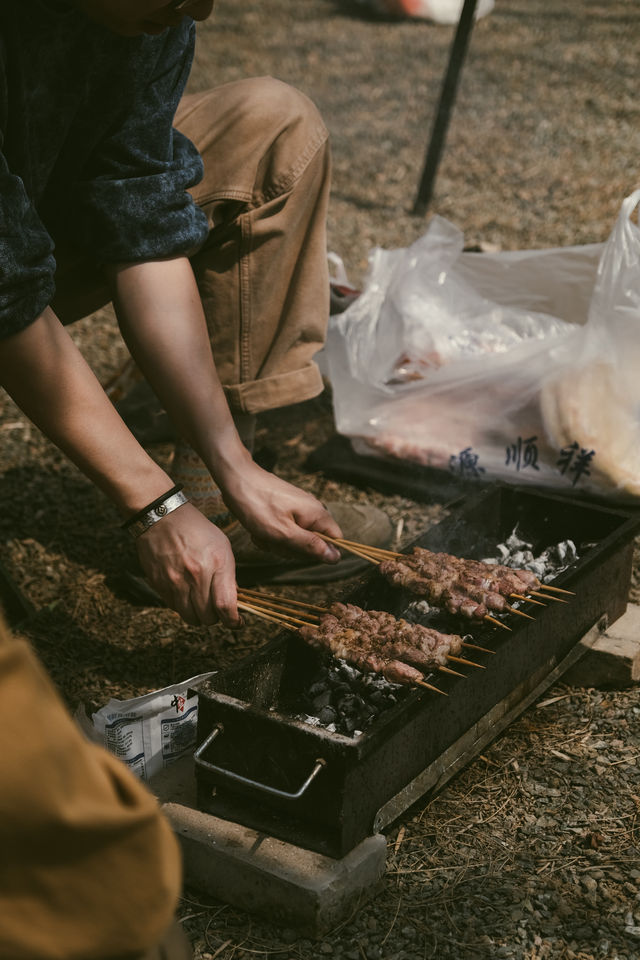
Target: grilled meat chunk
x,y
468,588
378,642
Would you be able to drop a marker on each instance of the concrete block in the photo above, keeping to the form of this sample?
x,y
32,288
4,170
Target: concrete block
x,y
614,660
286,884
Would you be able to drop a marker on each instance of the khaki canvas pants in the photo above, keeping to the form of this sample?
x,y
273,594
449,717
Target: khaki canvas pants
x,y
89,867
262,273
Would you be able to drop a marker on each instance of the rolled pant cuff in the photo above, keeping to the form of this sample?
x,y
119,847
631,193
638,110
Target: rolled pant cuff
x,y
281,390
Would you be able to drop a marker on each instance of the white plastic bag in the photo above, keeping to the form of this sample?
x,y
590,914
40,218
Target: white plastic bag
x,y
482,364
594,405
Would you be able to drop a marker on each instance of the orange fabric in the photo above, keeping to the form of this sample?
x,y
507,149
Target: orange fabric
x,y
89,868
262,273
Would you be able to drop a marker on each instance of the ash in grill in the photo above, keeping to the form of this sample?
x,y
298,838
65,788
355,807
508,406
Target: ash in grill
x,y
518,554
343,699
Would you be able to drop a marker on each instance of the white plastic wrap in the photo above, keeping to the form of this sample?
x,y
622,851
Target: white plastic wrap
x,y
515,366
150,732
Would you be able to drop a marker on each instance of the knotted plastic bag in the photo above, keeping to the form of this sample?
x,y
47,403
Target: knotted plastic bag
x,y
517,366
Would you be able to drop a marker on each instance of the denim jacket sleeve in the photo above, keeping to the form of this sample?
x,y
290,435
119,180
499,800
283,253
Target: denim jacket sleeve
x,y
26,257
132,200
91,158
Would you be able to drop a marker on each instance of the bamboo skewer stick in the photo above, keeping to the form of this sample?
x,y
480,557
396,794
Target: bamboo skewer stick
x,y
520,596
267,604
453,672
498,623
428,686
279,608
469,663
283,618
287,621
270,596
546,586
249,608
378,551
359,552
519,612
393,555
252,600
377,554
260,613
276,604
474,646
536,593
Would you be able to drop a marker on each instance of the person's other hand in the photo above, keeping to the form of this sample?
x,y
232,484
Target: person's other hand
x,y
189,562
280,517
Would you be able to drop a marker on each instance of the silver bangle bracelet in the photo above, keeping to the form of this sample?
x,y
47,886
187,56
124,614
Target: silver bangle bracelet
x,y
159,510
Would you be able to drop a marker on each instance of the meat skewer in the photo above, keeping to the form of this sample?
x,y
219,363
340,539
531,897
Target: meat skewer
x,y
397,570
374,641
468,595
527,575
485,583
393,670
378,642
469,588
449,594
284,605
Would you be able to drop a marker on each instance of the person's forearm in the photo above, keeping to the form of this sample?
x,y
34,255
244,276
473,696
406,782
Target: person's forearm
x,y
162,320
45,373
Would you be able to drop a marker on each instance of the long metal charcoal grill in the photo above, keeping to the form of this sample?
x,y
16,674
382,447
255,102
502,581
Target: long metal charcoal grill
x,y
259,766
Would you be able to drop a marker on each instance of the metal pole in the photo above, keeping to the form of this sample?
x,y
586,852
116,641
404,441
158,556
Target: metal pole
x,y
447,98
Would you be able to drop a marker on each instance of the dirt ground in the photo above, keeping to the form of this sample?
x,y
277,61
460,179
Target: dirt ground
x,y
532,852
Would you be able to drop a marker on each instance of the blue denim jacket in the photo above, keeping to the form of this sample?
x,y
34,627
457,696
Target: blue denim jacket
x,y
89,156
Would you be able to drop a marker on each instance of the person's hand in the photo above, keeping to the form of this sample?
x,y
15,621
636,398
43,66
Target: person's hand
x,y
280,517
189,562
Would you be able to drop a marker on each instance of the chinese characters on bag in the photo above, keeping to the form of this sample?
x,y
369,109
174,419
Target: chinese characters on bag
x,y
574,461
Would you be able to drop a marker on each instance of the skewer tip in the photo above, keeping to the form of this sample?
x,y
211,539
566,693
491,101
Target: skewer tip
x,y
469,663
537,593
497,623
520,596
475,646
520,613
547,586
453,672
429,686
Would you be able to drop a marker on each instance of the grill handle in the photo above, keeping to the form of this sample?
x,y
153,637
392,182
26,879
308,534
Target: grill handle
x,y
245,781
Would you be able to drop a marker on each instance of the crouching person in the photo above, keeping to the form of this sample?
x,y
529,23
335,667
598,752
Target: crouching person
x,y
89,867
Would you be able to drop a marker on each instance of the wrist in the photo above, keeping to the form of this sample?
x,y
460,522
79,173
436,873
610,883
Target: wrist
x,y
137,488
228,463
156,510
